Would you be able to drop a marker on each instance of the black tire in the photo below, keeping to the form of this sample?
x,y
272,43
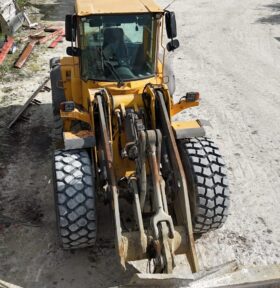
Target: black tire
x,y
207,183
58,129
54,62
58,96
75,199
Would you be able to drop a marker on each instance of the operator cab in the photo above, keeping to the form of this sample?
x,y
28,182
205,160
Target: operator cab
x,y
122,45
119,46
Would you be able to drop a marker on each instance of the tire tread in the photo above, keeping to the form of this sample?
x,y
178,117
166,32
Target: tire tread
x,y
75,199
207,179
58,96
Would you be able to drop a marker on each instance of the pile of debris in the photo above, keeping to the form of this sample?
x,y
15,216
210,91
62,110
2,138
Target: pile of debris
x,y
11,19
40,37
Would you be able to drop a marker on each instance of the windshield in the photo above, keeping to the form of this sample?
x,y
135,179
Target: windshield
x,y
118,48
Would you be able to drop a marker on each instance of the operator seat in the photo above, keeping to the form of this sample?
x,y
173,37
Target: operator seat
x,y
116,36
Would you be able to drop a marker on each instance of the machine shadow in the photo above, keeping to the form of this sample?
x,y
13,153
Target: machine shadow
x,y
26,151
272,19
33,134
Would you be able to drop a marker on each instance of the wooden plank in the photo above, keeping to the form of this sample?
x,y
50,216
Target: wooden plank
x,y
27,103
25,54
50,36
5,49
59,39
38,34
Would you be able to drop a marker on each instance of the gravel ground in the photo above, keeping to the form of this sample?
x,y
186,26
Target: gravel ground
x,y
231,54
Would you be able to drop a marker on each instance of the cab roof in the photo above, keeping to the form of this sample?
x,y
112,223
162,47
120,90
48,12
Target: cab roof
x,y
89,7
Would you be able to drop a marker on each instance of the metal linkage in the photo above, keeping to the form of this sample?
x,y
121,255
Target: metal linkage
x,y
161,223
135,149
139,219
160,214
143,145
142,168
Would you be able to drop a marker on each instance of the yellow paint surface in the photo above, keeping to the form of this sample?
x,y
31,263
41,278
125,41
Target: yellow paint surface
x,y
185,124
89,7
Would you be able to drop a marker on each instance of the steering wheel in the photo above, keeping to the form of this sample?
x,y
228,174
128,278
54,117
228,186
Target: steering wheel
x,y
121,63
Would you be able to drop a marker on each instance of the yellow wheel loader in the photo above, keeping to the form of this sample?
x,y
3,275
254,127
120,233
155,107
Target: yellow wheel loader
x,y
113,111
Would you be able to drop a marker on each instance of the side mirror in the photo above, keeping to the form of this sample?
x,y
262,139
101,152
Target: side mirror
x,y
70,27
171,26
73,51
172,45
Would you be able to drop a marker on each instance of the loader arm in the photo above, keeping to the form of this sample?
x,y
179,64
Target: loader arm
x,y
182,203
105,140
161,240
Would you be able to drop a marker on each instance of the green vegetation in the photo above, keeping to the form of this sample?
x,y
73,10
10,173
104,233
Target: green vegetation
x,y
22,3
4,69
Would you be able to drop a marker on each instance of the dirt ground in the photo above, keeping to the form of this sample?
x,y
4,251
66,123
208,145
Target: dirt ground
x,y
230,53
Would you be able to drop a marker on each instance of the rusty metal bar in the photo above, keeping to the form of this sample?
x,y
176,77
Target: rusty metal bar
x,y
37,35
25,54
28,102
5,49
50,36
139,219
57,40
